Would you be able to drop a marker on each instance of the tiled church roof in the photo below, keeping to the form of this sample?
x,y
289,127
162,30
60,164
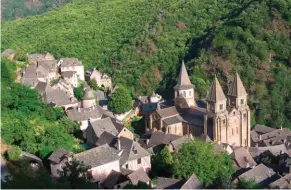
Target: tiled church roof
x,y
215,92
237,88
183,79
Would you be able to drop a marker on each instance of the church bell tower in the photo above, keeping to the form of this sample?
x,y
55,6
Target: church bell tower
x,y
184,90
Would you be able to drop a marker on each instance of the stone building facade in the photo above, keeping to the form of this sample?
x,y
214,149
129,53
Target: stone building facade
x,y
224,119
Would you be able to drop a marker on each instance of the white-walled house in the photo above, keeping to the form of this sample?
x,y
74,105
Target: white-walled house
x,y
70,77
132,155
72,64
102,160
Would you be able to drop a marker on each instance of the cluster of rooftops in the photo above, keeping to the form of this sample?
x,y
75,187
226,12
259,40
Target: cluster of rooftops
x,y
116,158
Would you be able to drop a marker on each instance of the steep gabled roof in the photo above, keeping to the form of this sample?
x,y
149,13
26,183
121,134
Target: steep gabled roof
x,y
183,79
215,92
237,88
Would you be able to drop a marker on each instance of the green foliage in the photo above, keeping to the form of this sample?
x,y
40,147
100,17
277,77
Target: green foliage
x,y
79,92
120,101
24,177
93,84
75,175
43,153
164,159
26,121
14,153
139,43
13,9
248,184
201,158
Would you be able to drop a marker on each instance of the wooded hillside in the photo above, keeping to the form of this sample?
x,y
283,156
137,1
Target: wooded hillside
x,y
139,43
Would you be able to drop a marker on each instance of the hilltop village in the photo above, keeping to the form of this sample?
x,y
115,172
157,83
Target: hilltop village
x,y
117,156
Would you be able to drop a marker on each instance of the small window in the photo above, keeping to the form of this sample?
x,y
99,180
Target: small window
x,y
189,93
237,130
184,94
177,93
245,115
242,101
221,106
118,186
232,131
139,161
126,166
233,113
223,121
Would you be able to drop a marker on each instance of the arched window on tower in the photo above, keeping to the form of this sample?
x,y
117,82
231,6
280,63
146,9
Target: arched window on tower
x,y
237,130
231,131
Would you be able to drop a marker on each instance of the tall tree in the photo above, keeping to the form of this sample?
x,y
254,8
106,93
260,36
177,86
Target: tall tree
x,y
201,158
75,174
120,101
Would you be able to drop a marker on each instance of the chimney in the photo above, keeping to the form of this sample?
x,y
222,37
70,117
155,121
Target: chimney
x,y
118,144
147,141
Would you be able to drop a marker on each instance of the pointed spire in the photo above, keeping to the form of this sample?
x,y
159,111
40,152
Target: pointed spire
x,y
215,92
237,88
183,79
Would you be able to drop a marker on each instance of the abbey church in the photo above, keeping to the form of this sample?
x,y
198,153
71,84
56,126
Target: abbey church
x,y
224,118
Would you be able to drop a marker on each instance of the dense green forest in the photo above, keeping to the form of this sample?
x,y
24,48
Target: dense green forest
x,y
27,122
15,9
141,43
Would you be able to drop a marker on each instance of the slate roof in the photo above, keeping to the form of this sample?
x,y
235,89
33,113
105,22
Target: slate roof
x,y
131,150
177,144
58,97
41,87
192,183
237,88
58,155
261,174
69,62
243,158
158,138
37,57
139,175
183,79
168,112
173,120
49,65
215,93
275,150
89,94
282,183
275,133
31,157
101,95
262,129
98,156
82,114
106,138
68,74
102,125
113,178
168,183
